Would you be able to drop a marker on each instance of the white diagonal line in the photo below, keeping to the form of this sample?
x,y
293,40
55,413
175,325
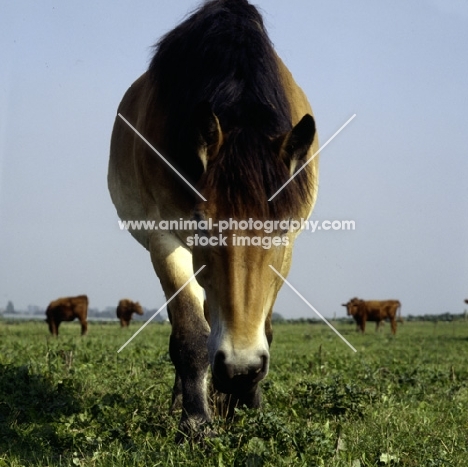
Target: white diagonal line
x,y
154,316
312,308
310,160
162,157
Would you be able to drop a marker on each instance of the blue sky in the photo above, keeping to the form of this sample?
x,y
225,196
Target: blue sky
x,y
400,169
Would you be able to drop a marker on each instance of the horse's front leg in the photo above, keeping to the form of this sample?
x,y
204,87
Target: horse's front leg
x,y
187,347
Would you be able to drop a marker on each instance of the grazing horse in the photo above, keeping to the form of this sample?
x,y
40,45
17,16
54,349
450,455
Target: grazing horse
x,y
224,111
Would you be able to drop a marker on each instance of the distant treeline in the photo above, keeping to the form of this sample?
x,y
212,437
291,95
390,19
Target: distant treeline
x,y
109,313
441,317
277,317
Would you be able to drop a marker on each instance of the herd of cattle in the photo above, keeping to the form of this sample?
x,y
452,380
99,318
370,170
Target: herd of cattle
x,y
70,308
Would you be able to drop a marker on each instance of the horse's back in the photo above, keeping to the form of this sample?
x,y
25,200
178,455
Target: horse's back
x,y
123,176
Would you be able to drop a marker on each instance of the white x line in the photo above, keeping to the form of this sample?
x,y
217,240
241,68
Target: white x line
x,y
162,157
312,308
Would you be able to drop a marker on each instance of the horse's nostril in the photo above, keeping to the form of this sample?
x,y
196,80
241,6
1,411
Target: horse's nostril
x,y
261,369
259,366
220,357
220,368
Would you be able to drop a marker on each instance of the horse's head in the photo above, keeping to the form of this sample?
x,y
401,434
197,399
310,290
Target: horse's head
x,y
249,234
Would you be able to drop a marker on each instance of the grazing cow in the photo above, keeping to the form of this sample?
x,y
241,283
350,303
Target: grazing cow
x,y
125,310
374,310
67,309
221,107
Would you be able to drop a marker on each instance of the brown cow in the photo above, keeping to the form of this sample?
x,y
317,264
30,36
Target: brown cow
x,y
125,310
67,309
374,310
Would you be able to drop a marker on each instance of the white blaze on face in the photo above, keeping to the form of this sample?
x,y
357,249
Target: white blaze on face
x,y
240,291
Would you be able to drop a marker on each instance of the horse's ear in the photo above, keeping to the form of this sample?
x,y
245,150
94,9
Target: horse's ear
x,y
296,144
209,134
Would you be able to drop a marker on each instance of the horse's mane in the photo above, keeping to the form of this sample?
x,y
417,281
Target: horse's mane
x,y
222,55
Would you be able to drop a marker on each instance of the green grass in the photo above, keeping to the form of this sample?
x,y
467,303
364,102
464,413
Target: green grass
x,y
399,401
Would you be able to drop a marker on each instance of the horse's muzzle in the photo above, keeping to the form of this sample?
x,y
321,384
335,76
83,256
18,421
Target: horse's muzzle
x,y
231,377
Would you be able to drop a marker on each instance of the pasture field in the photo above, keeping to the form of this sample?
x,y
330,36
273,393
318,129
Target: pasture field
x,y
72,401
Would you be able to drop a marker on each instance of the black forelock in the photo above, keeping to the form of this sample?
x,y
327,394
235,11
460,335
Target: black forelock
x,y
243,185
221,54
